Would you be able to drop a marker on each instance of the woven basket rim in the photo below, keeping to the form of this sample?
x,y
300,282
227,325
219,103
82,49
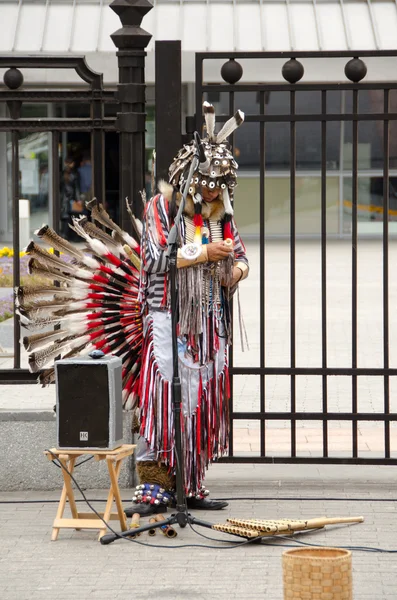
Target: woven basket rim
x,y
310,553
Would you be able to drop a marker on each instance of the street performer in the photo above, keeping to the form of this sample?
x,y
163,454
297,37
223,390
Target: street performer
x,y
211,263
113,295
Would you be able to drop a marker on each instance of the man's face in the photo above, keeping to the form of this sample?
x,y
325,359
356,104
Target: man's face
x,y
210,195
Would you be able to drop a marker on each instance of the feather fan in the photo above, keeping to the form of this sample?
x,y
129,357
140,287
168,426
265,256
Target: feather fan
x,y
95,302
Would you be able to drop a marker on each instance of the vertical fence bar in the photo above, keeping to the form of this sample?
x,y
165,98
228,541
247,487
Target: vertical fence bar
x,y
262,155
386,201
15,228
324,267
354,270
292,265
199,92
56,196
98,146
262,200
168,107
56,200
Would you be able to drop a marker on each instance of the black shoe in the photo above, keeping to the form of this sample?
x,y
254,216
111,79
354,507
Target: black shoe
x,y
145,509
206,504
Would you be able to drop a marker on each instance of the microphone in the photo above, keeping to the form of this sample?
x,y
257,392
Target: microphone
x,y
204,161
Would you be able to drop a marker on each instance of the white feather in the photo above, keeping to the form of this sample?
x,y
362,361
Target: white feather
x,y
76,283
130,240
90,262
138,225
98,246
209,116
226,202
230,126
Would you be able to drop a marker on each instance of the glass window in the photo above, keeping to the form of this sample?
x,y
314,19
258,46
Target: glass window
x,y
369,203
277,205
277,146
246,204
370,145
278,103
246,146
307,205
34,151
248,102
308,102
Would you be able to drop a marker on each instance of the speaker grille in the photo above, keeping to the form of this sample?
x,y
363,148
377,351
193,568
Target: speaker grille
x,y
83,405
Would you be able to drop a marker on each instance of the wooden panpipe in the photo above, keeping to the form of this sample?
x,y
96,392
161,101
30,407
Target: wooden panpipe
x,y
250,528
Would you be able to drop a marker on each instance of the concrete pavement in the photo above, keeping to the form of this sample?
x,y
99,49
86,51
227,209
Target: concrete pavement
x,y
77,566
32,567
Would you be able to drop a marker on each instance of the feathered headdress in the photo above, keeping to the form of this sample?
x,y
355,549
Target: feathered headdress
x,y
219,170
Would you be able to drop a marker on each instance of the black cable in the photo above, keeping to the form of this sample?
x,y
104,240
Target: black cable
x,y
357,548
242,499
231,546
130,539
306,499
56,462
235,545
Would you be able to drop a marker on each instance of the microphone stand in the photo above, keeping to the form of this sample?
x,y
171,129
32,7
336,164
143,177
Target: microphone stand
x,y
181,517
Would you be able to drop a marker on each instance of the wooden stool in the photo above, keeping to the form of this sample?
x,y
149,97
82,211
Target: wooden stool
x,y
83,520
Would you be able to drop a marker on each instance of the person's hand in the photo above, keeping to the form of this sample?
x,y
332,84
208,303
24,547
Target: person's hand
x,y
236,276
218,251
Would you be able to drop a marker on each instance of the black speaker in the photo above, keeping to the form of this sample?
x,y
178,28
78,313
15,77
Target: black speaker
x,y
89,405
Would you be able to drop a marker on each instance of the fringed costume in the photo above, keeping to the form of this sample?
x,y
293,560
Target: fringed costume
x,y
114,295
204,334
204,321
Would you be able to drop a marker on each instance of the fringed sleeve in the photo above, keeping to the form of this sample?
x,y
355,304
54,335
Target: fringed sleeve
x,y
239,248
155,235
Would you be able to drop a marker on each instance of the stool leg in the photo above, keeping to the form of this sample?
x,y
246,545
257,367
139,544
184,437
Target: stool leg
x,y
109,502
67,488
114,493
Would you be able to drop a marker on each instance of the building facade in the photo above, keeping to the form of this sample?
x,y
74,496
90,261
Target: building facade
x,y
83,27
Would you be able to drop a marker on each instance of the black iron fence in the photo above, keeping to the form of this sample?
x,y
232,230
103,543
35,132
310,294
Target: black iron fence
x,y
96,125
130,41
292,71
130,124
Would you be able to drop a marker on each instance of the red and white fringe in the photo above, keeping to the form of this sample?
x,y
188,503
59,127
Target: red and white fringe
x,y
204,433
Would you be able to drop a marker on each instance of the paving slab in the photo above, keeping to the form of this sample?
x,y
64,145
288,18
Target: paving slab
x,y
191,566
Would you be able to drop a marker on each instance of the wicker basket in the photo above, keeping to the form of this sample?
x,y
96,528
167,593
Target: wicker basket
x,y
317,574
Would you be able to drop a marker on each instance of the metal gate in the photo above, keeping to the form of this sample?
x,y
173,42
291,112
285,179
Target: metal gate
x,y
96,124
292,71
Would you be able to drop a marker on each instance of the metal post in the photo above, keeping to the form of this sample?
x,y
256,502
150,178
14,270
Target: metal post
x,y
168,105
131,40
